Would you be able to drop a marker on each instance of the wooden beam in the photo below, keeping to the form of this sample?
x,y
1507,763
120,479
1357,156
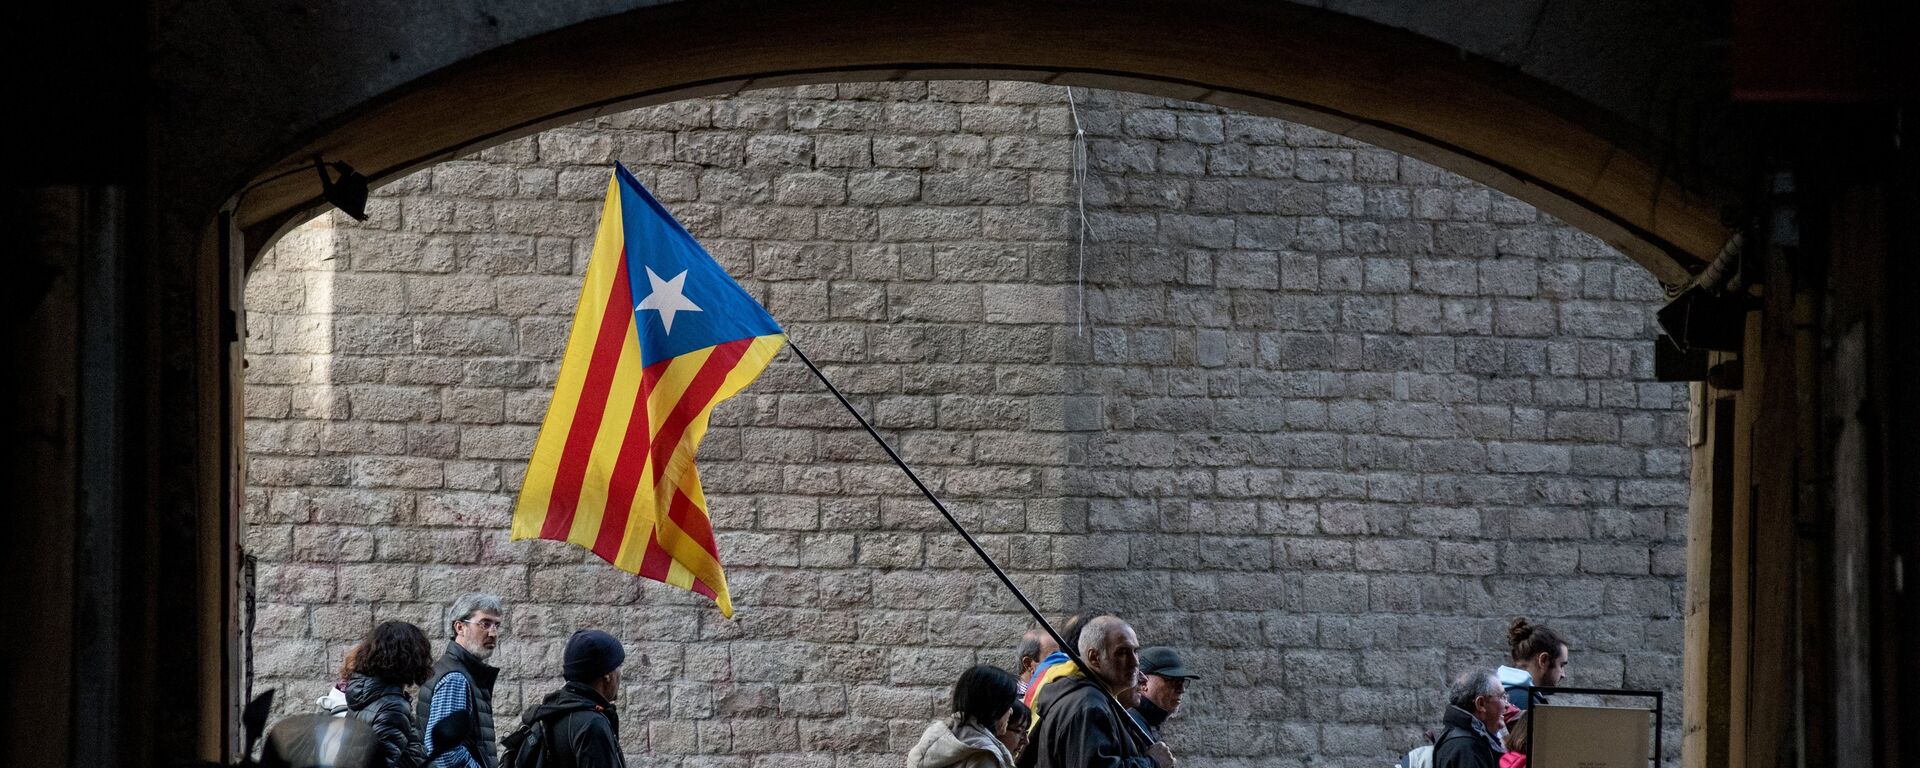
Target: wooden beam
x,y
1764,611
1709,581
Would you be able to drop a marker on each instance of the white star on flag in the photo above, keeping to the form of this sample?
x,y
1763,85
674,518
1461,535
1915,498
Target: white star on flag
x,y
667,298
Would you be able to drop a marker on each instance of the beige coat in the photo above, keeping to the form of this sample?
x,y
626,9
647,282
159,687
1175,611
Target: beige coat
x,y
947,745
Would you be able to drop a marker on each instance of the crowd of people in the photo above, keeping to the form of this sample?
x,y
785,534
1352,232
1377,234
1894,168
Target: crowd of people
x,y
1052,713
1055,714
1486,720
391,682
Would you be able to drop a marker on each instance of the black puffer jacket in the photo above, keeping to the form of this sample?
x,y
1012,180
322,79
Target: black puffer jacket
x,y
386,707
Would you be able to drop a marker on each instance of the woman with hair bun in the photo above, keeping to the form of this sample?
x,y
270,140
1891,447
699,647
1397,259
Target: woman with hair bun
x,y
1539,657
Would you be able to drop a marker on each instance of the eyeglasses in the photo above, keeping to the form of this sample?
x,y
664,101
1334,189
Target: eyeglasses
x,y
485,625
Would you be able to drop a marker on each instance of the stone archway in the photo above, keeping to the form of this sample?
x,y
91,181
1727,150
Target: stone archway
x,y
1562,107
133,357
1350,75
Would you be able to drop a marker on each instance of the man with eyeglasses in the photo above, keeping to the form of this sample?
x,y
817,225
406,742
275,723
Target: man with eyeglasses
x,y
1165,684
1475,704
463,681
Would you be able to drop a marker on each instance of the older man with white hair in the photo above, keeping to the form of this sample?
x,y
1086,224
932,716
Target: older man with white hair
x,y
1080,726
1475,703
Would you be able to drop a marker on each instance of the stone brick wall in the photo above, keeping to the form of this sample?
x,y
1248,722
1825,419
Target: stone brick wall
x,y
1330,416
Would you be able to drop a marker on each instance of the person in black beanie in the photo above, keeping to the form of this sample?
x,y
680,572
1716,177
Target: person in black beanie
x,y
581,728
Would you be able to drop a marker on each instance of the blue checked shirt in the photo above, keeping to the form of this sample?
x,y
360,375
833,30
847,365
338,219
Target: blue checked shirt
x,y
450,696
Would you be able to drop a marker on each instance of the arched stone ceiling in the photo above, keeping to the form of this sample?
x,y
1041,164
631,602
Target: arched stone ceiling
x,y
1551,106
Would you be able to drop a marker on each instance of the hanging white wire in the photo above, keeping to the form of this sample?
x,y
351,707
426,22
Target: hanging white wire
x,y
1080,190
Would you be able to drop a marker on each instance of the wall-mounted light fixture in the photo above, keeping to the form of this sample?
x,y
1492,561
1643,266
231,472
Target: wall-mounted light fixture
x,y
1702,319
348,193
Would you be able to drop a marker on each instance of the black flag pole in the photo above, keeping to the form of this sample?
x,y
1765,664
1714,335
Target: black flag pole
x,y
1073,654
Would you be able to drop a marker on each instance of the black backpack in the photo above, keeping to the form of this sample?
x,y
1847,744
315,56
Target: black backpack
x,y
530,746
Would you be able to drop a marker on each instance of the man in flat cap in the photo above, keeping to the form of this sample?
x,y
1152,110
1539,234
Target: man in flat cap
x,y
1167,678
577,725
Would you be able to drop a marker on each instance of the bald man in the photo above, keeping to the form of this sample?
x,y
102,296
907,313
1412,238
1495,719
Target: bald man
x,y
1079,725
1035,645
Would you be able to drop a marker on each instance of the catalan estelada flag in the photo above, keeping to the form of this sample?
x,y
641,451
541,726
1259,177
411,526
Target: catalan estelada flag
x,y
662,335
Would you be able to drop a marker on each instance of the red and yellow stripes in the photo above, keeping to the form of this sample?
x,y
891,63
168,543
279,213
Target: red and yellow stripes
x,y
613,470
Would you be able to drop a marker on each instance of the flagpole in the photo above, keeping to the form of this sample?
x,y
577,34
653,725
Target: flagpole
x,y
1073,654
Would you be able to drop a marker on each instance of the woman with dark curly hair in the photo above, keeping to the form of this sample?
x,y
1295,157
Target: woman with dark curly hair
x,y
393,659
